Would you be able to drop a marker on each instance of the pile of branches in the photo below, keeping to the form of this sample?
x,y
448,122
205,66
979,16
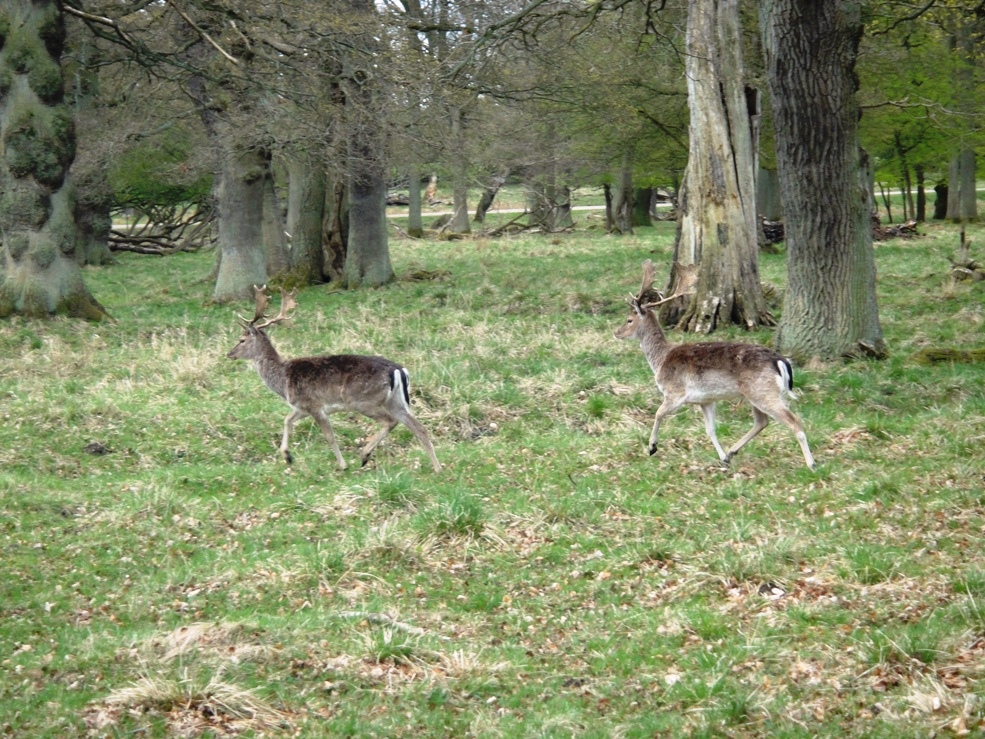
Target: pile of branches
x,y
773,231
160,231
905,230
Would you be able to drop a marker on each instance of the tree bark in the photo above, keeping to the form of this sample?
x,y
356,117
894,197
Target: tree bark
x,y
768,195
335,236
39,270
642,203
717,229
367,261
305,211
830,309
273,229
622,198
489,194
242,259
459,223
415,219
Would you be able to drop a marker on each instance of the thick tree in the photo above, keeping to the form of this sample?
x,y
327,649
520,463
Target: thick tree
x,y
830,308
39,274
717,229
367,261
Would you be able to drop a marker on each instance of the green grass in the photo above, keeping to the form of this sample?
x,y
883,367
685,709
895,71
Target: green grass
x,y
164,573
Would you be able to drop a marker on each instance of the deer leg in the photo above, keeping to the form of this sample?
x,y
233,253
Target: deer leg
x,y
293,417
796,425
790,419
322,419
760,421
708,411
388,426
421,433
669,405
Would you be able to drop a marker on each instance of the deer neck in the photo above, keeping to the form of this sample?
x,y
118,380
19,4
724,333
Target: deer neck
x,y
271,367
653,341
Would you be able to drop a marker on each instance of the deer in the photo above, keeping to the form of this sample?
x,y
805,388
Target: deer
x,y
704,373
317,386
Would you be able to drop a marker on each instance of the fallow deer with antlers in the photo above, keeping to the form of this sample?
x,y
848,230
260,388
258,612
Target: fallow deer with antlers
x,y
704,373
317,386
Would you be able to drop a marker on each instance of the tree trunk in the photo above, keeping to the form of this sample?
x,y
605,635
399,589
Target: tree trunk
x,y
563,217
768,195
305,212
367,262
967,196
273,231
415,219
642,202
540,201
39,269
717,229
921,193
830,308
459,223
489,194
93,208
335,235
242,259
622,198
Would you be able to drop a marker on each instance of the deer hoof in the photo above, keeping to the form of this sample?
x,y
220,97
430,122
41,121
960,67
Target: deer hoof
x,y
288,457
652,449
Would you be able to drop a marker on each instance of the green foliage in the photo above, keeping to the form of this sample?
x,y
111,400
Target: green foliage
x,y
158,173
165,573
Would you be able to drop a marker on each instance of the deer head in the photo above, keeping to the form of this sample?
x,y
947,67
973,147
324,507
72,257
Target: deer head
x,y
247,347
648,298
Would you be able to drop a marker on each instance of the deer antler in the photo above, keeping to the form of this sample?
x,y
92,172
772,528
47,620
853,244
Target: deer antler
x,y
687,278
288,302
262,301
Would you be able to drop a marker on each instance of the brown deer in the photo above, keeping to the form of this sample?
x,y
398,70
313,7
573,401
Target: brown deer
x,y
318,386
704,373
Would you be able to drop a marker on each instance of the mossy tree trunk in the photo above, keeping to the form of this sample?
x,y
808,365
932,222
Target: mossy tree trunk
x,y
39,271
830,309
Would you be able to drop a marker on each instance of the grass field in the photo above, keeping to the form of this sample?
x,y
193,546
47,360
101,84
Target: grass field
x,y
164,573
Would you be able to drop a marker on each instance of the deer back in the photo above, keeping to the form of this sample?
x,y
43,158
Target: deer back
x,y
720,369
352,382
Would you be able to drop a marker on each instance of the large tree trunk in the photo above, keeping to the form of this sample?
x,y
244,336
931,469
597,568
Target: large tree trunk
x,y
830,308
39,270
273,230
367,262
242,259
717,229
305,211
